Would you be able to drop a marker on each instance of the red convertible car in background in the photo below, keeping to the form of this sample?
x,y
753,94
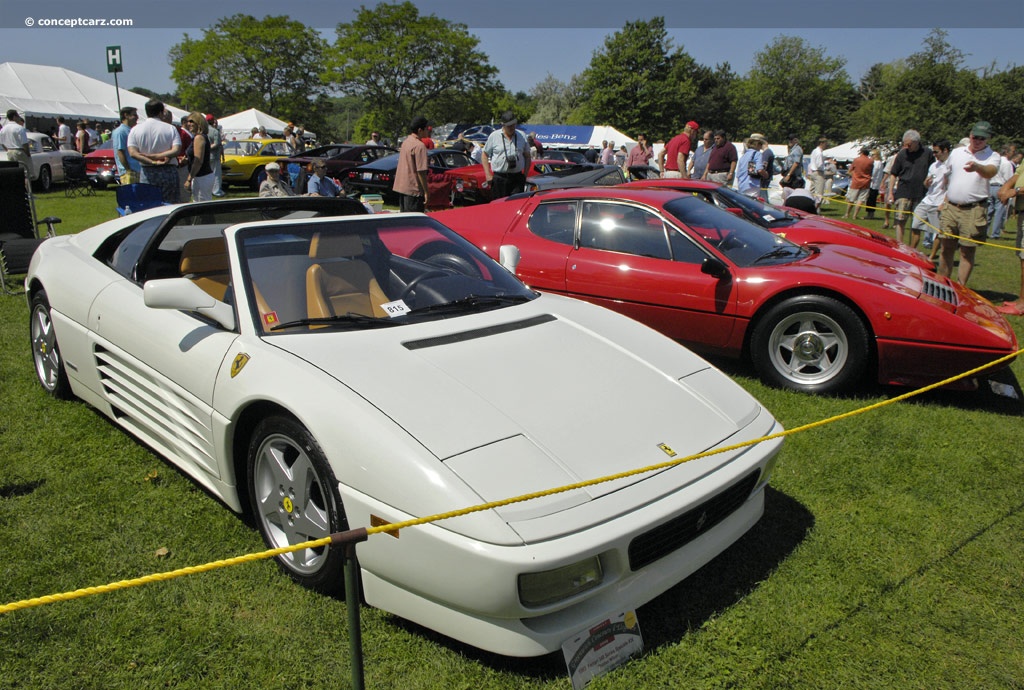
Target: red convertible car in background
x,y
470,186
796,226
820,317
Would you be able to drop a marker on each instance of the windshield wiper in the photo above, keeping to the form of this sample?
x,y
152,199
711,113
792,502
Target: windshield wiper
x,y
778,252
471,302
338,319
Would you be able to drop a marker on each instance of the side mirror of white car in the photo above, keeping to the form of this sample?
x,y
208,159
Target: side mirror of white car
x,y
182,293
508,256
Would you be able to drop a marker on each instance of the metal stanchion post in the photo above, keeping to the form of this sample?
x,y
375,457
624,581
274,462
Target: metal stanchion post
x,y
355,635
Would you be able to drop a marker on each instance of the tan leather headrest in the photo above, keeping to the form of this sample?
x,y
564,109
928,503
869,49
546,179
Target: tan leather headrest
x,y
206,255
335,245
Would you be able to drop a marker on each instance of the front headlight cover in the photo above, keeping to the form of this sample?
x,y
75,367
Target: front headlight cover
x,y
550,586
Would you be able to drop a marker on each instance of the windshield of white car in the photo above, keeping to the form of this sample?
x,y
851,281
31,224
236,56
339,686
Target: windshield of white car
x,y
471,303
349,319
388,268
739,240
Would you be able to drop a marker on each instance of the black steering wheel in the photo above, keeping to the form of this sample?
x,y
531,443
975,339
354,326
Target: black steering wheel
x,y
436,273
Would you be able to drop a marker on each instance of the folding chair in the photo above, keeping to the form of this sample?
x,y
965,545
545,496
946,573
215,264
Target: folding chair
x,y
137,197
19,235
76,181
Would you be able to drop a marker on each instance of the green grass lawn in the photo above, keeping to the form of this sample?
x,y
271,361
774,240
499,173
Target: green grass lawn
x,y
890,556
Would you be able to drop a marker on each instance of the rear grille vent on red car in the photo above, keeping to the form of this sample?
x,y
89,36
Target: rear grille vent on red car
x,y
680,531
934,288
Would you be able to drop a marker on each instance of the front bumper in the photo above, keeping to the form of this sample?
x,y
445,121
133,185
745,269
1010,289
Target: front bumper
x,y
467,589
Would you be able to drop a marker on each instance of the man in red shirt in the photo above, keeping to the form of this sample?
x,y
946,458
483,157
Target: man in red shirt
x,y
678,150
722,160
860,182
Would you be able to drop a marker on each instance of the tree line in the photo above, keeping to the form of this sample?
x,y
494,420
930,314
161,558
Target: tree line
x,y
391,62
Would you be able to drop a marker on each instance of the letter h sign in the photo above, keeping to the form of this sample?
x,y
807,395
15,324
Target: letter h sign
x,y
114,59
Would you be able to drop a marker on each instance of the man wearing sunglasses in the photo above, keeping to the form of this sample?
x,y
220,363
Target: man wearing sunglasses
x,y
965,214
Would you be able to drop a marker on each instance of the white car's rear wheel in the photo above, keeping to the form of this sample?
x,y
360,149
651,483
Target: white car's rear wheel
x,y
294,499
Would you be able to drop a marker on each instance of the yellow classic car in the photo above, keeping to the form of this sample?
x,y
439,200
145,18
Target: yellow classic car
x,y
244,159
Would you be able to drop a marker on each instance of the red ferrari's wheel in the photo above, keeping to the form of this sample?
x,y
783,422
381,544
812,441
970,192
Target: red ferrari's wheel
x,y
810,343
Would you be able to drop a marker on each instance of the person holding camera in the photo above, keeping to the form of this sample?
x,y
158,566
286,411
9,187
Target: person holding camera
x,y
505,158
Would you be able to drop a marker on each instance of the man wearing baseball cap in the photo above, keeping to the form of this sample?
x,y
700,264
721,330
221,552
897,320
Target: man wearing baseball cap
x,y
14,140
964,219
274,185
677,151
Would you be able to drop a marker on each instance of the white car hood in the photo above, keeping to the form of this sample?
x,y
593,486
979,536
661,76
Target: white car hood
x,y
524,399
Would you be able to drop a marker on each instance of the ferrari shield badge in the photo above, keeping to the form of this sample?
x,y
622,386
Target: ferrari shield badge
x,y
241,359
667,450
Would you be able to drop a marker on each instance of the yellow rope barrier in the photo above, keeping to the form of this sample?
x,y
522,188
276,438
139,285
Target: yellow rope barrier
x,y
842,200
390,527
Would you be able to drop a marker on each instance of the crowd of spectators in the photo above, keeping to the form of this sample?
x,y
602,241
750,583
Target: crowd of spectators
x,y
955,197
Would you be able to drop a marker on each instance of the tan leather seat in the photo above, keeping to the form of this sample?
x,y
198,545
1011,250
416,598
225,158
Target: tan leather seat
x,y
205,262
340,283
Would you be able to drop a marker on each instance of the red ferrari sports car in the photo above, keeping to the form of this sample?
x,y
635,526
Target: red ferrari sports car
x,y
796,226
818,317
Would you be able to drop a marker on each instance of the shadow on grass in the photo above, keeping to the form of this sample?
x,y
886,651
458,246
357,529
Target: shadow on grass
x,y
1000,393
665,620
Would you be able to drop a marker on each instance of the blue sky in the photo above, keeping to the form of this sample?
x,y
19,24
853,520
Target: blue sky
x,y
530,39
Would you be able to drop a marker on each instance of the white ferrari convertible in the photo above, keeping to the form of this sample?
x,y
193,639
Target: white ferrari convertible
x,y
323,372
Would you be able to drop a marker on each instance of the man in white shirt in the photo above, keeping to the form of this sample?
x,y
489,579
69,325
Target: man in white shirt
x,y
14,140
926,213
65,137
156,144
965,215
816,170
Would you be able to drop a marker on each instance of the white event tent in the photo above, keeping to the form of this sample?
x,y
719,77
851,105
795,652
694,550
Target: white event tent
x,y
239,125
44,92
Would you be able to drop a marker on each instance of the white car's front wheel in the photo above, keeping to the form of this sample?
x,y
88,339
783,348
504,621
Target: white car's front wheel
x,y
294,498
46,356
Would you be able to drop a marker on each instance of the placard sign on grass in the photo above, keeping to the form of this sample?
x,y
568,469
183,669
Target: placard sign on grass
x,y
597,650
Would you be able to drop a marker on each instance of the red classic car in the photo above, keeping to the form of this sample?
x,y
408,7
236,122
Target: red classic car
x,y
470,186
100,166
796,226
818,317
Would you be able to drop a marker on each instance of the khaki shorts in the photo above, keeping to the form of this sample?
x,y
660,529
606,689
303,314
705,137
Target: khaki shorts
x,y
857,196
903,209
969,225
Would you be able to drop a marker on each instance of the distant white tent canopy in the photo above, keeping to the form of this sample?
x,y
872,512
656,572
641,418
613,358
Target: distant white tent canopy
x,y
239,125
845,153
47,92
